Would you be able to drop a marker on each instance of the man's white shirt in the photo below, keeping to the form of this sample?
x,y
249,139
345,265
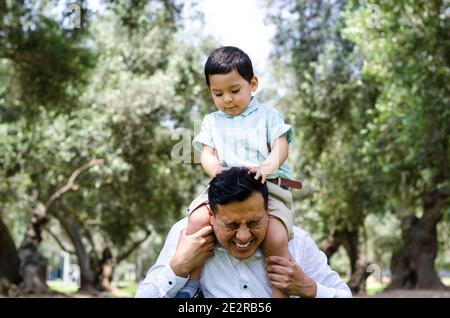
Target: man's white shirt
x,y
224,276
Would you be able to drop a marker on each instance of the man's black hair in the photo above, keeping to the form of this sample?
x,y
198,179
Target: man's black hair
x,y
235,184
226,59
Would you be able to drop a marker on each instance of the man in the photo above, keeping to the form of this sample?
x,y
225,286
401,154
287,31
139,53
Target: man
x,y
235,266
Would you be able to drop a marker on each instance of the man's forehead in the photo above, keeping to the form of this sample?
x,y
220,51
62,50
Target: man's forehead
x,y
251,207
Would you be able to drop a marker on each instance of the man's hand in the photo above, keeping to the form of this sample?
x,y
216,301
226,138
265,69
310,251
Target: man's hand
x,y
285,275
192,251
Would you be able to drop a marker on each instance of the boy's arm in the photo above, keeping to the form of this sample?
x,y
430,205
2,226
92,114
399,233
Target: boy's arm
x,y
278,155
210,161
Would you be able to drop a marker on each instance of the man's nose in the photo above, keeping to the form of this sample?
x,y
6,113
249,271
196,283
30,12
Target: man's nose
x,y
243,234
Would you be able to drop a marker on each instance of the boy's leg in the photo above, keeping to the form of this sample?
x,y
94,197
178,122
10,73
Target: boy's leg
x,y
197,220
279,230
276,243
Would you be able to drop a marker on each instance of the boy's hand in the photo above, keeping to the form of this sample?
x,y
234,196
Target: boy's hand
x,y
262,171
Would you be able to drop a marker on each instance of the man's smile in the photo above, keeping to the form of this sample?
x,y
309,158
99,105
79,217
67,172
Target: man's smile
x,y
242,247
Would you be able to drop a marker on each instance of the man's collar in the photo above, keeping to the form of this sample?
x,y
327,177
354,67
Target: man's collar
x,y
254,105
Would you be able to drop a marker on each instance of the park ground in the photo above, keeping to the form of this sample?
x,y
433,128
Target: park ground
x,y
127,289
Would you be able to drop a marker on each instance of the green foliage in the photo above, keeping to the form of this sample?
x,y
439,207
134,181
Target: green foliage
x,y
407,56
329,104
367,95
367,91
116,91
48,65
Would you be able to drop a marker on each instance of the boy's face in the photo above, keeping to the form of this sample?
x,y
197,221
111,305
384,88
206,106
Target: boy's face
x,y
231,92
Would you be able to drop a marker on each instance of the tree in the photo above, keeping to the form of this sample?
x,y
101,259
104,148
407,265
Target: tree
x,y
29,42
406,55
97,156
372,130
329,105
9,266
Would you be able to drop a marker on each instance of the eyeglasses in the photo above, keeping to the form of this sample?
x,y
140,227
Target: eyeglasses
x,y
234,226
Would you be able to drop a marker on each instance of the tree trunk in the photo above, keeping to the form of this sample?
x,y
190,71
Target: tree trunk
x,y
412,265
9,261
332,243
138,267
106,271
358,262
33,266
95,275
87,268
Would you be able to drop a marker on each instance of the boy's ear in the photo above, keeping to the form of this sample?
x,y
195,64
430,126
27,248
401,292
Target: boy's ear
x,y
254,83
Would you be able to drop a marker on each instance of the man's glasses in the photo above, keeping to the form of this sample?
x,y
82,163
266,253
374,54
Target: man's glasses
x,y
234,226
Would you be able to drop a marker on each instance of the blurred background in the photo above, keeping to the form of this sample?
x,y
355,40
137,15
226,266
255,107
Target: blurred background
x,y
99,101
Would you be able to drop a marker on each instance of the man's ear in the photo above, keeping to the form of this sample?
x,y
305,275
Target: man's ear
x,y
211,214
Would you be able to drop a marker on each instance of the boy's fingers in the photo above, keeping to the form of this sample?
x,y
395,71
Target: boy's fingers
x,y
250,169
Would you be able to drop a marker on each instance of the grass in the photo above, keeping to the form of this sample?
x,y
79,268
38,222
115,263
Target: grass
x,y
125,288
128,288
374,287
60,287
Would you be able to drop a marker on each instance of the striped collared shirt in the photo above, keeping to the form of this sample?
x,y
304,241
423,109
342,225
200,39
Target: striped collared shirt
x,y
243,140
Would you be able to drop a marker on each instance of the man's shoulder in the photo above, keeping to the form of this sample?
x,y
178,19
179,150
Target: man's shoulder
x,y
302,244
179,225
299,234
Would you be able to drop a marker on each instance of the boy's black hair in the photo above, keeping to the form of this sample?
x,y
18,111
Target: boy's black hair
x,y
226,59
235,184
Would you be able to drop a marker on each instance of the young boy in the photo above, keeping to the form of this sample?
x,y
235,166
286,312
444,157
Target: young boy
x,y
243,132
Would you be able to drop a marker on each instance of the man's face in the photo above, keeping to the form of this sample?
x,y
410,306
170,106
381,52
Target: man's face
x,y
240,227
231,92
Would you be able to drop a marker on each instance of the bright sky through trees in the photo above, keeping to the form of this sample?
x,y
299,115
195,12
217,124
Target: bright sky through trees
x,y
240,23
